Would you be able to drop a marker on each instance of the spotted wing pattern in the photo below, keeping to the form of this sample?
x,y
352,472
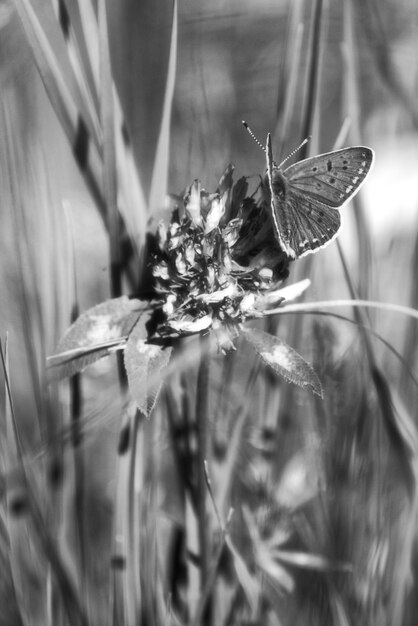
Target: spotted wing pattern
x,y
333,177
306,196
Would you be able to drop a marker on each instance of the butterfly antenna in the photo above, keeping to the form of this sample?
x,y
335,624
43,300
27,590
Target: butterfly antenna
x,y
257,141
289,156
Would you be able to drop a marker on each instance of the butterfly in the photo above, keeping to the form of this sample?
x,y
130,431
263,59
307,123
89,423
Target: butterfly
x,y
305,197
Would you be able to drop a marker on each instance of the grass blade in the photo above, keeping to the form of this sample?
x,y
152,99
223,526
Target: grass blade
x,y
87,63
37,534
158,188
290,74
72,122
68,19
351,110
313,73
109,153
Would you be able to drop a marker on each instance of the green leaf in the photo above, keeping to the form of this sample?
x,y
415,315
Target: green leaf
x,y
145,366
95,334
283,359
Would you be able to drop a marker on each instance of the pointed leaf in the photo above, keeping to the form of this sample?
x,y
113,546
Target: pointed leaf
x,y
95,334
280,575
245,577
293,291
283,359
145,366
310,561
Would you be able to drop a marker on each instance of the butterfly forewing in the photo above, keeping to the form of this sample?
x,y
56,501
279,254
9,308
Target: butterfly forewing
x,y
333,177
305,197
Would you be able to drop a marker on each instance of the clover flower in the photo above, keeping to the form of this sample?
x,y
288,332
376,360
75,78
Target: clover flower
x,y
216,265
217,260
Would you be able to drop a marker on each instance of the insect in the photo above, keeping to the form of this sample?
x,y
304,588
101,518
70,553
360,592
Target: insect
x,y
305,197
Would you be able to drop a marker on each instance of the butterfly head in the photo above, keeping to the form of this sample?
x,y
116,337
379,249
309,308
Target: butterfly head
x,y
276,183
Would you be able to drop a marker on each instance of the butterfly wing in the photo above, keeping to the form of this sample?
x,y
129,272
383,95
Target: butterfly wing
x,y
305,197
310,223
302,223
332,178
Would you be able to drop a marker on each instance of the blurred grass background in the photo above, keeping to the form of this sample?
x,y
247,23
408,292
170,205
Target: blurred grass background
x,y
324,493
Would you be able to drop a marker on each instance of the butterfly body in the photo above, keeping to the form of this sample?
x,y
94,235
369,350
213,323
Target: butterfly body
x,y
305,197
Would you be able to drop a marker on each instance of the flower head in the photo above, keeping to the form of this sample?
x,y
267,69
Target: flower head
x,y
217,259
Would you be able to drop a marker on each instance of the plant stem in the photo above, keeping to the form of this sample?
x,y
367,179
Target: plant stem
x,y
202,417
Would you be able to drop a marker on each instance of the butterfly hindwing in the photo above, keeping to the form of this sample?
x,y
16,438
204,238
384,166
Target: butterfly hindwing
x,y
313,224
